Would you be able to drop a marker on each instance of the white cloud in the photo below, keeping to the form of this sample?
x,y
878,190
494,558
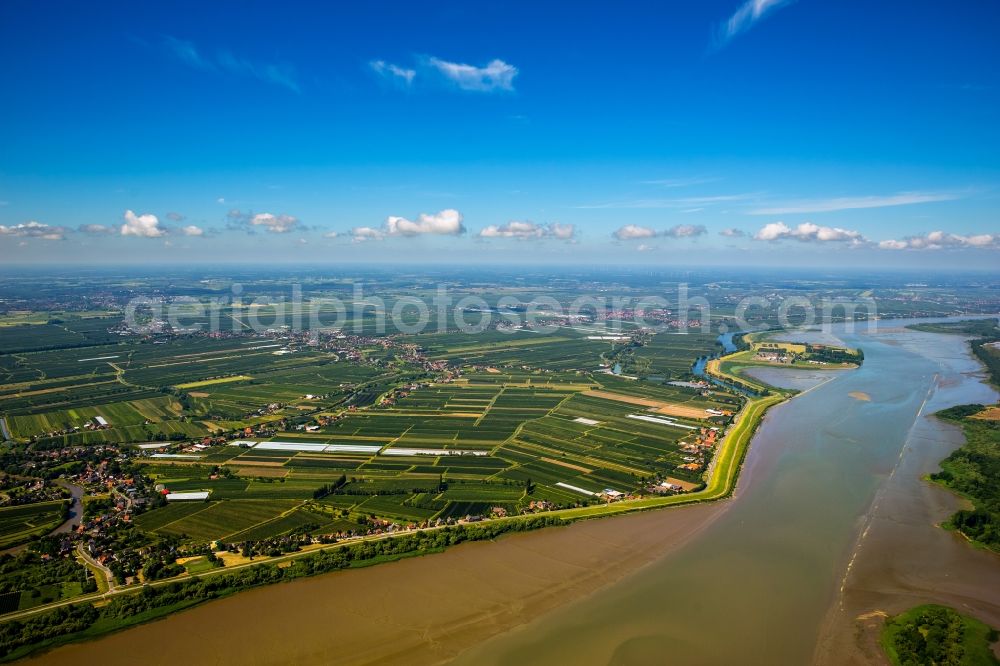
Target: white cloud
x,y
773,231
633,231
686,231
330,234
808,232
33,229
853,203
644,248
749,13
275,224
175,217
144,226
448,222
524,230
562,231
221,200
95,229
361,234
192,230
392,72
496,75
732,233
941,240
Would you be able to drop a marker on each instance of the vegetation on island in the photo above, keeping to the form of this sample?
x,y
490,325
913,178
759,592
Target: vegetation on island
x,y
939,635
933,635
973,471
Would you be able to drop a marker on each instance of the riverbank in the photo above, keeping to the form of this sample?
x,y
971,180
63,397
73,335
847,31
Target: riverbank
x,y
722,476
423,610
755,586
902,557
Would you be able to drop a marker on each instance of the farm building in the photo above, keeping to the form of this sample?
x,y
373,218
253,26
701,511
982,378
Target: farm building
x,y
192,496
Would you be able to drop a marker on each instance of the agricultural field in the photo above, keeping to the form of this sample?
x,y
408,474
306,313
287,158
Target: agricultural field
x,y
443,450
182,389
20,523
299,434
668,355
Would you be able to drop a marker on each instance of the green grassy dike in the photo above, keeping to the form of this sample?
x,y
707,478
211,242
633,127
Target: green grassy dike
x,y
938,635
22,634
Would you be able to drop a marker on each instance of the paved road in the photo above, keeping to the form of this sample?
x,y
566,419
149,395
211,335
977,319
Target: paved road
x,y
109,577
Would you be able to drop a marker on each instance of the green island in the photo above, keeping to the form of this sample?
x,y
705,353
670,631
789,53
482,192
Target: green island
x,y
932,634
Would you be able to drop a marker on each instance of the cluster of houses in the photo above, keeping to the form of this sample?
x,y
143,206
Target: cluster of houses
x,y
774,356
698,450
659,316
14,491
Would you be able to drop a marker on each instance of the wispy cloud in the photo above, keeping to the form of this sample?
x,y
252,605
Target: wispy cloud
x,y
733,233
851,203
401,76
746,17
637,232
495,76
225,62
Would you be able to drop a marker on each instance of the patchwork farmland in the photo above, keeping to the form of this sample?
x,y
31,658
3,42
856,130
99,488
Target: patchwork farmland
x,y
341,435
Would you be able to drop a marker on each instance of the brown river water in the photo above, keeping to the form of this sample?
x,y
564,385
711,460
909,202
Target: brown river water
x,y
830,522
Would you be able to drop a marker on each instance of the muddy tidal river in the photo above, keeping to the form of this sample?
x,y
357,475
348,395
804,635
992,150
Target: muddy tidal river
x,y
830,526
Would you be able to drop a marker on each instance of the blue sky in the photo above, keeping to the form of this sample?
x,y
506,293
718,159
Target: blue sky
x,y
720,132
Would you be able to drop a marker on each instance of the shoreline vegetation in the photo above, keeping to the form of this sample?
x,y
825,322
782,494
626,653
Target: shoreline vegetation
x,y
939,634
88,617
972,471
